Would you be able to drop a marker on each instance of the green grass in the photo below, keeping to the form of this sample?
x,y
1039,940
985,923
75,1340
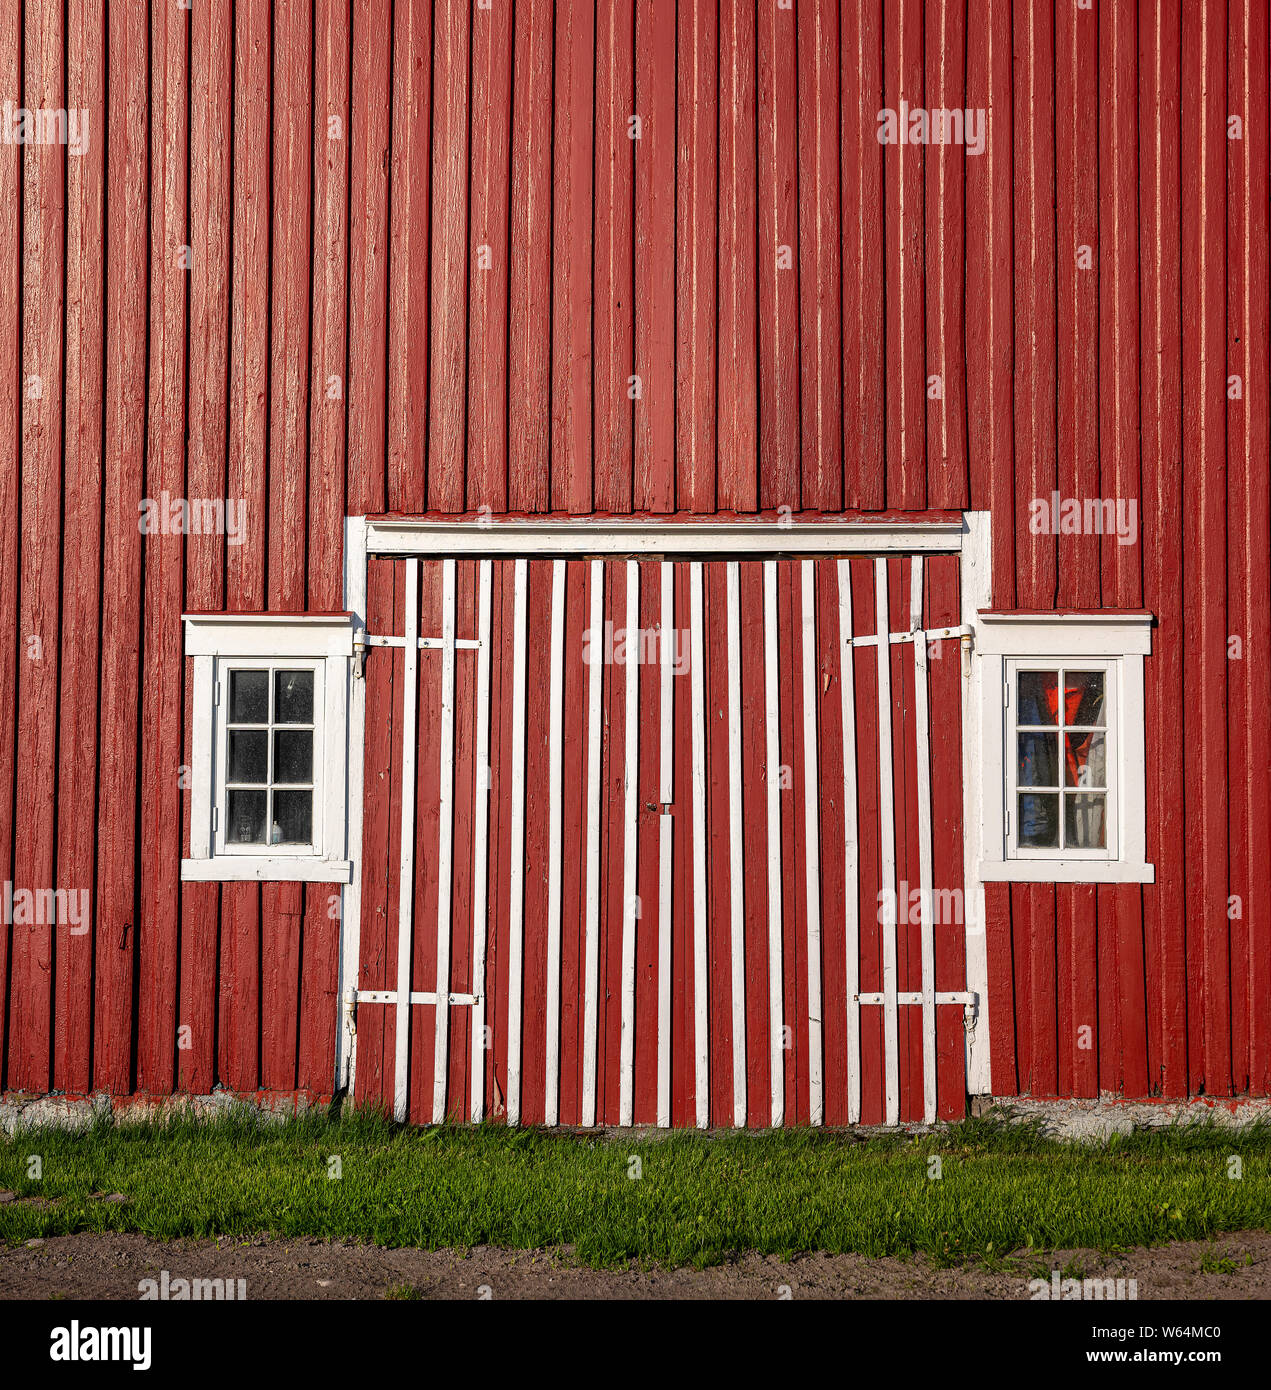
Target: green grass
x,y
700,1199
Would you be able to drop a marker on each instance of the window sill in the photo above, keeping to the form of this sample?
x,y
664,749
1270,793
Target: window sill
x,y
1066,871
270,868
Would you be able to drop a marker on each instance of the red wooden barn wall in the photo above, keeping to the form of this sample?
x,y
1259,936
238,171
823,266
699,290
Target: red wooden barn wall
x,y
336,338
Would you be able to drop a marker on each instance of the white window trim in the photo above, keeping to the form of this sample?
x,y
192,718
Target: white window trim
x,y
1113,641
321,641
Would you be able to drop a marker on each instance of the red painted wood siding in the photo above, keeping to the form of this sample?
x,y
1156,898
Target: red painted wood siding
x,y
478,284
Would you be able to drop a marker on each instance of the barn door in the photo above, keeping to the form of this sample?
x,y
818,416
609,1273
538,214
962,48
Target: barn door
x,y
663,842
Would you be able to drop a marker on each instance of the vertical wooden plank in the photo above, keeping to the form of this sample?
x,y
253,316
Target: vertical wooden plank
x,y
926,881
649,839
1119,430
574,816
719,886
820,248
631,764
480,846
516,861
947,22
165,472
772,719
738,426
754,813
666,830
127,161
531,275
488,301
450,257
696,251
887,839
1079,137
736,864
245,582
211,80
328,371
572,239
43,299
869,826
81,566
1204,117
851,850
282,905
655,226
903,198
406,858
445,848
369,138
989,294
864,313
779,478
944,669
1161,416
11,486
1035,254
701,1031
1249,510
591,987
812,839
613,267
556,848
411,263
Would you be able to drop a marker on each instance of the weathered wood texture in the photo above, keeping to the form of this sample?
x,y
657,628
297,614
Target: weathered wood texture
x,y
625,257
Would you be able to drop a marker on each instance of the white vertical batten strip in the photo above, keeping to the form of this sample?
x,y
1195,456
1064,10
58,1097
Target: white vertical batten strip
x,y
666,826
887,837
812,843
701,1023
595,672
556,849
975,582
851,847
516,869
355,581
772,726
925,896
445,842
630,778
736,849
480,842
406,857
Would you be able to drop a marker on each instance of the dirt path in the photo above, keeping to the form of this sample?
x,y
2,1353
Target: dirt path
x,y
112,1266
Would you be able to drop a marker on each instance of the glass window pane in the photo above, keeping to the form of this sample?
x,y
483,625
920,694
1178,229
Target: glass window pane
x,y
246,818
293,697
1085,760
293,818
1038,697
1039,760
1085,820
248,755
1083,697
1039,820
293,755
249,697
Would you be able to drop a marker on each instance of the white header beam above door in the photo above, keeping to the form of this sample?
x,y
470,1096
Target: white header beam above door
x,y
646,536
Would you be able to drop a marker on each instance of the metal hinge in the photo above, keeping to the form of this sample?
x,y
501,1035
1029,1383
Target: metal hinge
x,y
359,654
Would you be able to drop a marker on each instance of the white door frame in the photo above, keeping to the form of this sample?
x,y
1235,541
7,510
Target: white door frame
x,y
434,538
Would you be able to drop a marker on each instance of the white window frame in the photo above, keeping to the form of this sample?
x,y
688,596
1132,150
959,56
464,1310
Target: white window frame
x,y
1113,642
219,643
